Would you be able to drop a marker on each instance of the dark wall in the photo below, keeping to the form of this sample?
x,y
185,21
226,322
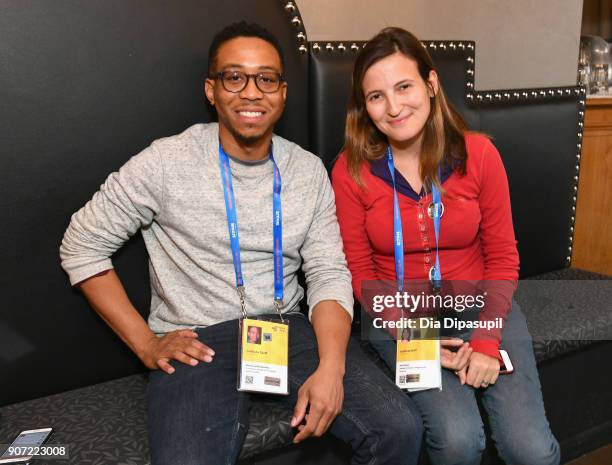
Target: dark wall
x,y
84,85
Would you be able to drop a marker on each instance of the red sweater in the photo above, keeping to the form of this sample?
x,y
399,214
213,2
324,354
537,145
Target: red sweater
x,y
476,235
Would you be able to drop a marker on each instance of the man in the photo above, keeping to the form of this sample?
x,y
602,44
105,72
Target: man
x,y
254,335
173,192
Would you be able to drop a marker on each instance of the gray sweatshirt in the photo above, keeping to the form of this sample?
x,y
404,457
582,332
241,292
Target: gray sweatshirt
x,y
172,192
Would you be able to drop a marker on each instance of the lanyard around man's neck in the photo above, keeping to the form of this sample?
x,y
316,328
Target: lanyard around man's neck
x,y
232,226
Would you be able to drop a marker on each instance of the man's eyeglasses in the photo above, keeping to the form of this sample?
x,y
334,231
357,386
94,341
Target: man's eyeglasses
x,y
236,81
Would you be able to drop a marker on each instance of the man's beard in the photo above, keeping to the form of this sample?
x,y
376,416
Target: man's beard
x,y
244,139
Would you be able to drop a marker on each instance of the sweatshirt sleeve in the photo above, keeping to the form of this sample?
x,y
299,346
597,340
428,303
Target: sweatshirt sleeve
x,y
351,217
327,276
128,200
501,259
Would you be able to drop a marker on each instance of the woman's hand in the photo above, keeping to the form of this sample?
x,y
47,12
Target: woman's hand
x,y
482,370
455,360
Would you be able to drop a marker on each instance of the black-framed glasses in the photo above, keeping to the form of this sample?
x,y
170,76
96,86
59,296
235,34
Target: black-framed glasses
x,y
267,82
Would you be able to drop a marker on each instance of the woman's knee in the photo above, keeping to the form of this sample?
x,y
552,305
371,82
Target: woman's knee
x,y
460,444
543,450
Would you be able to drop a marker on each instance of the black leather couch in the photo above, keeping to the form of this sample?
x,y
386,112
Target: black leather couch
x,y
86,84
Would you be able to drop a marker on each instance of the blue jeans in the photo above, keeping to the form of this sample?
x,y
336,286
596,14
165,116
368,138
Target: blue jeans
x,y
454,432
197,417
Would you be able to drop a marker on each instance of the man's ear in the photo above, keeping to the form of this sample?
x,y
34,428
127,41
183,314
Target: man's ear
x,y
209,91
433,83
284,91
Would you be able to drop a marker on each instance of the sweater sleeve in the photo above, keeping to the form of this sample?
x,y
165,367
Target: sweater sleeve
x,y
352,216
128,200
327,276
498,244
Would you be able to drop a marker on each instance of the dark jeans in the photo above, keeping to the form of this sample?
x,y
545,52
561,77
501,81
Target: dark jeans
x,y
454,431
197,417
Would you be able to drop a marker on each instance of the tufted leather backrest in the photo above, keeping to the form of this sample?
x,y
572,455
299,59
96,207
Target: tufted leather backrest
x,y
331,65
538,141
535,130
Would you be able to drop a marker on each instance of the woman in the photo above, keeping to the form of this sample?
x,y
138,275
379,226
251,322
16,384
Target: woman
x,y
404,140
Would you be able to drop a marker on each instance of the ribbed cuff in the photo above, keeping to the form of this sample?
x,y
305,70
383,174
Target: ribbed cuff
x,y
490,348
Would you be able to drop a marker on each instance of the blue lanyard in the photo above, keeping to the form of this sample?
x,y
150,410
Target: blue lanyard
x,y
437,214
232,226
398,235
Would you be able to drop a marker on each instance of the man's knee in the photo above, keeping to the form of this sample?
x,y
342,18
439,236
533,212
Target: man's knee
x,y
406,423
389,431
400,434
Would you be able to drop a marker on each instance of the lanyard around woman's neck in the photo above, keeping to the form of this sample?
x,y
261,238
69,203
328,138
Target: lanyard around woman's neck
x,y
398,235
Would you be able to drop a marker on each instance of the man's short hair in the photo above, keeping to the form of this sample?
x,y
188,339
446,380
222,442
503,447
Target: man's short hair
x,y
241,29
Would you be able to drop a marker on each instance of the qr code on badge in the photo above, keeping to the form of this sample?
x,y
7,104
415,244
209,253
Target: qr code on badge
x,y
402,379
248,380
267,337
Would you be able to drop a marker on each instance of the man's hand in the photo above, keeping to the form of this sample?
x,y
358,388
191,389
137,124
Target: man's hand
x,y
181,345
107,296
456,361
482,370
323,391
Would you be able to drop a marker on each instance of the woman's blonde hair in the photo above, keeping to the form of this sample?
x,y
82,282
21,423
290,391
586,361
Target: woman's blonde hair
x,y
443,136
